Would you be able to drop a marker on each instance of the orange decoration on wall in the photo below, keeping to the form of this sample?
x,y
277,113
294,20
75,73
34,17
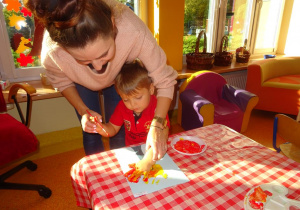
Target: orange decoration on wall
x,y
23,45
14,20
13,5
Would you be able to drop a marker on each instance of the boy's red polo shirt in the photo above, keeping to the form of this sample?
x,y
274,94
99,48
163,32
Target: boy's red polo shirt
x,y
135,132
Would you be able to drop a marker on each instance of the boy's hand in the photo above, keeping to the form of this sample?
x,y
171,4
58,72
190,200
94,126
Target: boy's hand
x,y
144,166
100,130
133,175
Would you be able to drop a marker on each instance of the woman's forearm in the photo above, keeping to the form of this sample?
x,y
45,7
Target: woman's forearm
x,y
148,157
75,100
162,107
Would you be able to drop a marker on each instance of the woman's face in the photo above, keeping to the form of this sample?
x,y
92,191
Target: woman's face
x,y
98,53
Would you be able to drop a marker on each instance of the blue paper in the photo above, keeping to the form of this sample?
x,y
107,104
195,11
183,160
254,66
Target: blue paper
x,y
130,155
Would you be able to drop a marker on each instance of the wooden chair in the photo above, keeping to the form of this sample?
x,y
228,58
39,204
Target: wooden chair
x,y
288,129
18,141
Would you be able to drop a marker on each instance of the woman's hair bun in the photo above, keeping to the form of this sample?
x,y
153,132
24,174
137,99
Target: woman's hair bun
x,y
54,11
74,23
41,8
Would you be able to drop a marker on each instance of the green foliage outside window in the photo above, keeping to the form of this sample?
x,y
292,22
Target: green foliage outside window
x,y
189,44
195,18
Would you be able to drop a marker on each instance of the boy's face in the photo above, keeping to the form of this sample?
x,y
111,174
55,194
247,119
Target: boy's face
x,y
138,101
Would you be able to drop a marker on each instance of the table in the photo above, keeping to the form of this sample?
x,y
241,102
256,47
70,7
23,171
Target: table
x,y
219,178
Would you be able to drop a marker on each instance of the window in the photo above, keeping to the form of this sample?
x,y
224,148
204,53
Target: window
x,y
236,19
270,12
292,44
19,53
198,16
132,4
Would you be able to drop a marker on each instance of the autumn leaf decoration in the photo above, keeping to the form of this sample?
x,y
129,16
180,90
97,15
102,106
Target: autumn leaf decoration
x,y
24,59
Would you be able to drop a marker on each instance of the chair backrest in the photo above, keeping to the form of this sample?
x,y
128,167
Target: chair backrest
x,y
2,102
209,85
16,139
288,129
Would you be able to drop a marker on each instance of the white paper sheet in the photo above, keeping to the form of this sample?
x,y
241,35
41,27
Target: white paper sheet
x,y
127,156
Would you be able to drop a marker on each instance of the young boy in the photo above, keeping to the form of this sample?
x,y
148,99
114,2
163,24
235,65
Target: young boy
x,y
135,110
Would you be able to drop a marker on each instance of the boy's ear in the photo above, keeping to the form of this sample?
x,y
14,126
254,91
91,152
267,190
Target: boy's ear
x,y
151,89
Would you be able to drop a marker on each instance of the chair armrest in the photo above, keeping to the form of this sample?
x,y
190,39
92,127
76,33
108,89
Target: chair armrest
x,y
12,98
194,107
238,96
13,91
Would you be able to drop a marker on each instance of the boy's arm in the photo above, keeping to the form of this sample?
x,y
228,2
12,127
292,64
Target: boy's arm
x,y
110,128
146,163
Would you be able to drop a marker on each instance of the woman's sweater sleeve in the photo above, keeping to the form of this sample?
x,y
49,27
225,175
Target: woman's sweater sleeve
x,y
51,62
155,61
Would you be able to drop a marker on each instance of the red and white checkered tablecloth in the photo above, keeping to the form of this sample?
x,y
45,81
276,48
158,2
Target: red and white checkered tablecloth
x,y
219,178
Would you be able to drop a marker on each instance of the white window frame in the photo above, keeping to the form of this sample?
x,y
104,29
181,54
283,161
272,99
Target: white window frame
x,y
255,28
6,60
222,17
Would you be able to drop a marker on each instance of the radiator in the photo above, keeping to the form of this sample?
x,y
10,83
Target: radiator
x,y
236,78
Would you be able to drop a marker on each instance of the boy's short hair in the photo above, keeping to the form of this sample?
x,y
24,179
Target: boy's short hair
x,y
133,76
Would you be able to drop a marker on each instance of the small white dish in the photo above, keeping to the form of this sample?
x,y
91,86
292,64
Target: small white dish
x,y
190,138
277,201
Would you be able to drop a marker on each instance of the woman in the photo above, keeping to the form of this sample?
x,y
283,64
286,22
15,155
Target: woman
x,y
85,46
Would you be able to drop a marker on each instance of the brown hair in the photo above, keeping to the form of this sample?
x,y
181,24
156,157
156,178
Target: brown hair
x,y
73,23
132,77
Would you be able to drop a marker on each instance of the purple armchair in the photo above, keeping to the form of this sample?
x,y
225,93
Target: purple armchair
x,y
206,98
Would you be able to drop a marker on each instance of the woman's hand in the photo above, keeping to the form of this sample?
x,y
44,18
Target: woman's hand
x,y
88,123
157,140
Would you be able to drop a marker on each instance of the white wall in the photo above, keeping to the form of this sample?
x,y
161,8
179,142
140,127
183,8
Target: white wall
x,y
49,115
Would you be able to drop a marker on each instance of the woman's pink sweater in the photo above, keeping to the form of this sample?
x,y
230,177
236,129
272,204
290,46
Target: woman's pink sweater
x,y
134,40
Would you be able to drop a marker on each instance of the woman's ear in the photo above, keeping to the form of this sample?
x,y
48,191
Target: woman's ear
x,y
151,89
115,30
113,21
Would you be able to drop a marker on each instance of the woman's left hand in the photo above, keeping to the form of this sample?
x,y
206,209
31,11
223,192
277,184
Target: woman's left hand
x,y
88,123
158,141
